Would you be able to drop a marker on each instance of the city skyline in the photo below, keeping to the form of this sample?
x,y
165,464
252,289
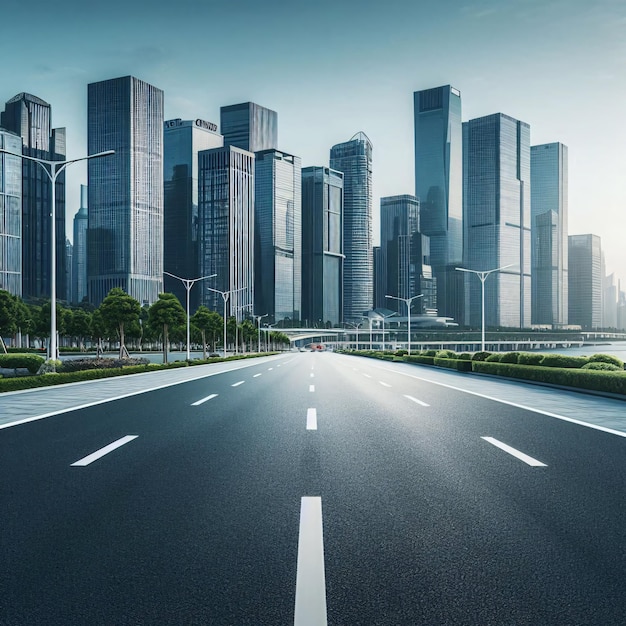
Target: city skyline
x,y
568,61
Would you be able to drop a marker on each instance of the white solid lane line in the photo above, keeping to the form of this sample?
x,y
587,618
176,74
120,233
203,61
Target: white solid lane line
x,y
311,387
99,453
257,375
516,453
384,384
199,402
311,419
241,382
310,607
416,400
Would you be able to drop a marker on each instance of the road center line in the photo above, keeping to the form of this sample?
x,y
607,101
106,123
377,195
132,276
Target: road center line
x,y
384,384
311,388
311,419
257,375
100,453
241,382
366,375
416,400
516,453
310,609
269,369
199,402
312,375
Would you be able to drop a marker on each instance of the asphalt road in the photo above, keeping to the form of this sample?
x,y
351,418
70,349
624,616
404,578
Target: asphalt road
x,y
314,488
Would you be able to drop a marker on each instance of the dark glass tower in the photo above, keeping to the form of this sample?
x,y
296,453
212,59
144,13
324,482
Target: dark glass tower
x,y
249,126
585,281
125,189
354,159
79,257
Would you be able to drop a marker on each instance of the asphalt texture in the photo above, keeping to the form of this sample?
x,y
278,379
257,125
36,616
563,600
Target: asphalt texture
x,y
195,521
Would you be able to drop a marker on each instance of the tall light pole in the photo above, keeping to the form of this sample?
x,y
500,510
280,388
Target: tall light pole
x,y
384,317
225,295
483,278
408,302
258,322
56,167
189,283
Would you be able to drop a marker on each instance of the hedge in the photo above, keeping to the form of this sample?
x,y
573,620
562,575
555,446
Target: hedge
x,y
606,358
561,360
461,365
32,362
419,358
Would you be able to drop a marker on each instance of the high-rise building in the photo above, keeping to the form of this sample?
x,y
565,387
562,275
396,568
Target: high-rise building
x,y
226,227
182,141
278,235
249,126
548,206
585,281
322,246
354,159
125,189
497,218
10,214
29,117
79,257
69,266
439,188
609,305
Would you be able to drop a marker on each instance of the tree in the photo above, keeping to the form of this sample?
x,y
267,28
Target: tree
x,y
7,316
167,312
119,309
80,326
248,332
207,321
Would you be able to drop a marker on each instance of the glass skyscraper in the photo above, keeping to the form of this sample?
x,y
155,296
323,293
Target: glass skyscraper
x,y
125,189
277,236
183,140
226,227
585,281
439,187
548,204
10,214
79,257
249,126
322,246
497,218
354,159
29,117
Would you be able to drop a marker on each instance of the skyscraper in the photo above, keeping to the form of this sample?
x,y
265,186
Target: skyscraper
x,y
278,235
497,214
249,126
69,266
548,204
226,227
354,159
29,117
585,281
439,188
125,189
322,245
79,257
183,140
10,214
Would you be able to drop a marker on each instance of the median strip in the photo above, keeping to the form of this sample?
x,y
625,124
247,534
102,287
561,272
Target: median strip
x,y
516,453
100,453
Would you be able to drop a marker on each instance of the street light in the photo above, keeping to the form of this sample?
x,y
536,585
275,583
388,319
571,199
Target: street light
x,y
189,283
258,321
356,327
225,295
408,302
483,278
384,317
56,167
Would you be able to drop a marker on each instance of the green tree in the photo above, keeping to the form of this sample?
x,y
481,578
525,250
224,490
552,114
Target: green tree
x,y
23,318
119,309
42,324
207,322
248,332
80,326
8,313
167,312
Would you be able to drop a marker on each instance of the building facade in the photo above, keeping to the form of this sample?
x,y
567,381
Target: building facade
x,y
226,228
183,140
30,117
439,187
125,189
497,219
278,236
322,246
10,214
354,159
79,257
249,126
585,281
549,247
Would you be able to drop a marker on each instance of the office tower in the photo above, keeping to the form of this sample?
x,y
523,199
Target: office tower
x,y
226,227
439,188
548,208
10,214
249,126
182,141
79,257
29,117
380,279
322,246
585,281
609,304
69,262
354,159
278,235
497,218
125,189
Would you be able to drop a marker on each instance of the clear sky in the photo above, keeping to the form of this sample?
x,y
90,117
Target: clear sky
x,y
332,69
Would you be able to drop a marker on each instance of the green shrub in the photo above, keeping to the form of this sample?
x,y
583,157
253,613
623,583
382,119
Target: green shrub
x,y
401,352
446,354
509,357
494,358
32,362
480,356
465,356
606,358
77,365
600,365
429,353
456,364
561,360
529,358
422,359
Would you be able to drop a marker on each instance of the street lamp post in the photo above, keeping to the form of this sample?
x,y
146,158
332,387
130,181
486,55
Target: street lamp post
x,y
225,295
56,167
408,302
258,322
384,317
483,278
189,283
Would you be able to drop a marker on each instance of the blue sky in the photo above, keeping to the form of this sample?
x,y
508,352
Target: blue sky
x,y
333,69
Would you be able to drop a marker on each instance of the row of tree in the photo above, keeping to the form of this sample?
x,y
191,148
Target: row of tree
x,y
121,320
